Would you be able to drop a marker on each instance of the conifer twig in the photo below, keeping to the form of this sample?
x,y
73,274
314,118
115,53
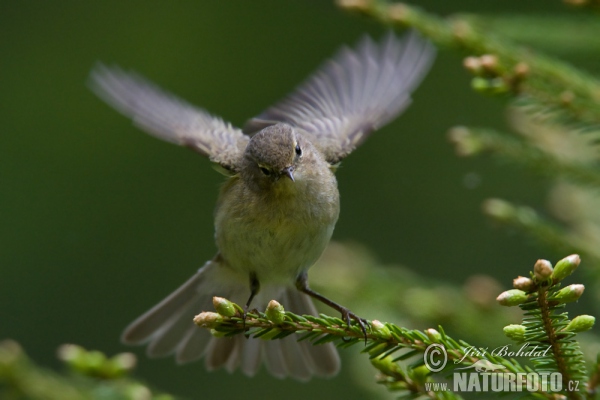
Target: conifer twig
x,y
543,82
472,141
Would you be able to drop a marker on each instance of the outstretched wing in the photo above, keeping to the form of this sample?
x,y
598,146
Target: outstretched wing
x,y
353,93
167,117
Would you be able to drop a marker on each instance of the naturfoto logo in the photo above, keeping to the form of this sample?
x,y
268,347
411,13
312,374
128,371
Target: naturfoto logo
x,y
485,376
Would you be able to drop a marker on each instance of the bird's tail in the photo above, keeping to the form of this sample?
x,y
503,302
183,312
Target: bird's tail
x,y
168,328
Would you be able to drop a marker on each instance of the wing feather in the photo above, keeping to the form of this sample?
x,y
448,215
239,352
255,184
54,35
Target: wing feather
x,y
353,93
169,118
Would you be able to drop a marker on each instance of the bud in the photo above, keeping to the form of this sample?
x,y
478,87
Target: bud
x,y
386,365
473,65
275,312
567,97
224,306
565,267
398,12
521,70
354,5
466,144
380,329
569,294
542,270
419,374
489,62
522,283
512,297
433,335
499,209
581,323
515,332
124,361
208,319
70,352
217,333
480,84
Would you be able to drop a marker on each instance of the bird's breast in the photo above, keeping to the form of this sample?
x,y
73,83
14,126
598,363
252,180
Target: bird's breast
x,y
275,234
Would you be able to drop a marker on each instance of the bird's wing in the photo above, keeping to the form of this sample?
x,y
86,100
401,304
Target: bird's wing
x,y
167,117
353,93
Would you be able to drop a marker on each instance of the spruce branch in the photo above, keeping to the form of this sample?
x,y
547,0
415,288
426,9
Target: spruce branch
x,y
92,375
545,231
386,343
535,80
474,141
542,300
540,296
559,33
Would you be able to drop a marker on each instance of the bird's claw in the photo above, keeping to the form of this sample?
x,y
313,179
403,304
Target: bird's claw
x,y
348,315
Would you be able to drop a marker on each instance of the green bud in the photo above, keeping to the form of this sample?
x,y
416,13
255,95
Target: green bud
x,y
433,335
386,365
569,294
419,374
542,270
565,267
515,332
275,312
224,306
217,333
498,86
208,319
581,323
489,86
522,283
512,297
380,329
480,84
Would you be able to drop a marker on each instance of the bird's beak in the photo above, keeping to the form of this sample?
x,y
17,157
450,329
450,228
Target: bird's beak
x,y
288,172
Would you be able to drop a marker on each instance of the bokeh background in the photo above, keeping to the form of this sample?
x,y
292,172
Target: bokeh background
x,y
98,221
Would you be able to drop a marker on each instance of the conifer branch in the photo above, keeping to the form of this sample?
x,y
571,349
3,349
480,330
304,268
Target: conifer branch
x,y
540,296
545,231
473,141
92,375
533,79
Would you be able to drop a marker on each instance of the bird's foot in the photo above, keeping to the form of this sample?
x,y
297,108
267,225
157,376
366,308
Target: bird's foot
x,y
348,316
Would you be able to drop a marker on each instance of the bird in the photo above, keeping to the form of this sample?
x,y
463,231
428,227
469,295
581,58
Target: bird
x,y
279,204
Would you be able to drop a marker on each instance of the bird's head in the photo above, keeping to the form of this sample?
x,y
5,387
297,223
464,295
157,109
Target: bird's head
x,y
274,153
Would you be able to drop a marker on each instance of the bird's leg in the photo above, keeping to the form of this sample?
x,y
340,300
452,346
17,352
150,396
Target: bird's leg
x,y
254,289
302,285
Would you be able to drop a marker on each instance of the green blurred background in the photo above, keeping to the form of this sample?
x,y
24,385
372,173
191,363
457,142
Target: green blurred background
x,y
98,221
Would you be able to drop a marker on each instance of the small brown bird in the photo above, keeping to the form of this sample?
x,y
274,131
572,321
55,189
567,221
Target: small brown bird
x,y
278,208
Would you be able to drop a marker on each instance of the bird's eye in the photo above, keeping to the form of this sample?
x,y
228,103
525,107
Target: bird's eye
x,y
298,150
265,171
